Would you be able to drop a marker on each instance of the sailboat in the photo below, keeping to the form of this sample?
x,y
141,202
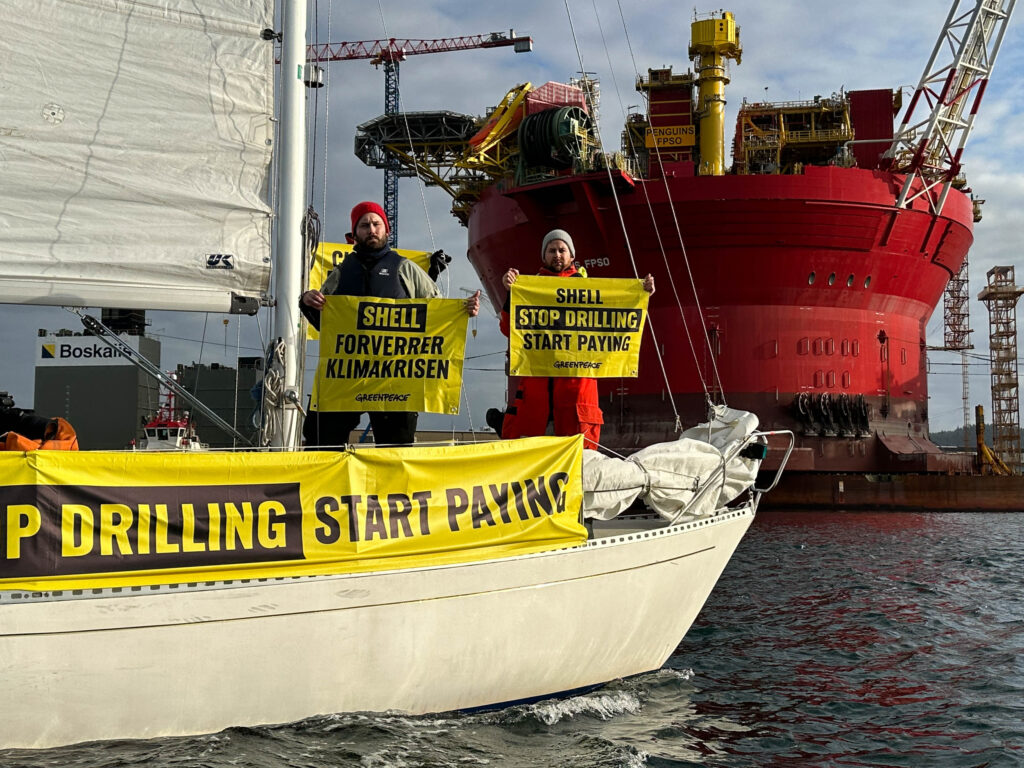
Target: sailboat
x,y
152,594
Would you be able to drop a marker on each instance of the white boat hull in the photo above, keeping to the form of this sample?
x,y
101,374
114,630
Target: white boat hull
x,y
170,663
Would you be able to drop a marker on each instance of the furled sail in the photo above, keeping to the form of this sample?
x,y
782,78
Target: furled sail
x,y
135,140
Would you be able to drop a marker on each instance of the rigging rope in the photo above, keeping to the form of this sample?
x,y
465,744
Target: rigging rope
x,y
405,117
622,224
421,186
650,207
202,347
327,115
679,233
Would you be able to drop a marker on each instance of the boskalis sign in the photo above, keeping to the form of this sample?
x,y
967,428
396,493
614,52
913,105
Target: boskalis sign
x,y
81,350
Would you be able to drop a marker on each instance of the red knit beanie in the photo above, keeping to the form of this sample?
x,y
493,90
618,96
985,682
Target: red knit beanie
x,y
366,207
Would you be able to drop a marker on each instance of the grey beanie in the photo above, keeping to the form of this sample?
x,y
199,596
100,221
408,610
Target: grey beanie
x,y
557,234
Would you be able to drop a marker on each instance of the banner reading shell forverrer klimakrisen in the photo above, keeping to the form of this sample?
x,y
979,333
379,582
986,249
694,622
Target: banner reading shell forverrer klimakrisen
x,y
390,355
329,255
576,326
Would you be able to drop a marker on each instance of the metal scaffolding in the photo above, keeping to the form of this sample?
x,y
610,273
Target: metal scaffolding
x,y
425,144
957,336
1000,296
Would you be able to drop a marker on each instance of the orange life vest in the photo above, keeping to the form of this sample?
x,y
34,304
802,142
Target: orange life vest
x,y
60,436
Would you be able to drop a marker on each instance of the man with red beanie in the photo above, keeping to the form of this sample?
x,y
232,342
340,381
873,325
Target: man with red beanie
x,y
371,269
570,402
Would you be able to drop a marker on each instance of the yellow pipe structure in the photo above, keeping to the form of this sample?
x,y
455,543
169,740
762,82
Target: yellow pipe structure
x,y
986,456
712,41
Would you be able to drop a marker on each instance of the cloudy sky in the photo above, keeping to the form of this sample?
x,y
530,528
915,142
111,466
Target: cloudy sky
x,y
792,49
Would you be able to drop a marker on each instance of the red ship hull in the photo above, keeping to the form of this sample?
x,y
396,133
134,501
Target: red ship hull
x,y
812,295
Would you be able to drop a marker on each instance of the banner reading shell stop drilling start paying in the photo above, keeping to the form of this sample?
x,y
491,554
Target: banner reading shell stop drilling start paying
x,y
390,355
562,326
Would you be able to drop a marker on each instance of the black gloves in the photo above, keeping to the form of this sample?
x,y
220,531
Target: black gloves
x,y
439,261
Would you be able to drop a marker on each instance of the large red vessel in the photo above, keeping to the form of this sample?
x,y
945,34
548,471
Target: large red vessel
x,y
813,291
796,284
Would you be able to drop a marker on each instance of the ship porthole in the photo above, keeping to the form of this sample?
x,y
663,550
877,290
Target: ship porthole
x,y
867,281
832,279
810,279
849,282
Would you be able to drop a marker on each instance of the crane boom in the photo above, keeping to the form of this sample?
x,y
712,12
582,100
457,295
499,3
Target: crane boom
x,y
929,151
396,50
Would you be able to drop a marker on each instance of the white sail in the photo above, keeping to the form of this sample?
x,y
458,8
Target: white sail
x,y
134,151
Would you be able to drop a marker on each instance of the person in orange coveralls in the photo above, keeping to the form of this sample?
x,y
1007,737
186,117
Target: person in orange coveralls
x,y
570,402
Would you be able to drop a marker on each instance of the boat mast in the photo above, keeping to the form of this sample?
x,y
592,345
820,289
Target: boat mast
x,y
291,181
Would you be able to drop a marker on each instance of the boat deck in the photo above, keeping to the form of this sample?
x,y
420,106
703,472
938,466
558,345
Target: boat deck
x,y
626,525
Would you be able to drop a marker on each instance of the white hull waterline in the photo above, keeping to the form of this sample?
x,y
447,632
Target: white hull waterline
x,y
175,663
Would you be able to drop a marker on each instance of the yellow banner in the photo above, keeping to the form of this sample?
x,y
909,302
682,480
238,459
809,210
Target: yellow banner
x,y
81,520
390,355
330,255
576,327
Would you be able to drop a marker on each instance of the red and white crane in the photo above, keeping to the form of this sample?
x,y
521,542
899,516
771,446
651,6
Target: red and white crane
x,y
929,150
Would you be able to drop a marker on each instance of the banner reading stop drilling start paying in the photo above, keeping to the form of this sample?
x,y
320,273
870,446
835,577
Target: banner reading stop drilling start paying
x,y
576,326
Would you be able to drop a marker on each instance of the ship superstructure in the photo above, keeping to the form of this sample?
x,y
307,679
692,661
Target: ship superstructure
x,y
171,429
796,283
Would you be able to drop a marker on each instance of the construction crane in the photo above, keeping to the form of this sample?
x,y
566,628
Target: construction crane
x,y
389,53
929,151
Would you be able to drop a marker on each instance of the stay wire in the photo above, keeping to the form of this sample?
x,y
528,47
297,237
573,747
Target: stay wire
x,y
405,118
327,115
266,426
312,125
682,247
420,186
238,374
622,224
275,187
654,222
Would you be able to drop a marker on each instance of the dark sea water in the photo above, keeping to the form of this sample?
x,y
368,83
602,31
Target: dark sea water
x,y
834,639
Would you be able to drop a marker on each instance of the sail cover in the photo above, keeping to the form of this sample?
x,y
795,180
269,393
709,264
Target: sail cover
x,y
134,151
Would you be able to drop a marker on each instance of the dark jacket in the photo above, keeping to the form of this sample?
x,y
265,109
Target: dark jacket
x,y
363,273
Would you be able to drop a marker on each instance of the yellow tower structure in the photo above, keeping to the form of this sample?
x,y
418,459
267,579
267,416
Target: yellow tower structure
x,y
712,41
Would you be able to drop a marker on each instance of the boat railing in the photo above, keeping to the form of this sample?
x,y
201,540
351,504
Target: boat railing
x,y
759,439
782,463
717,480
818,135
701,491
